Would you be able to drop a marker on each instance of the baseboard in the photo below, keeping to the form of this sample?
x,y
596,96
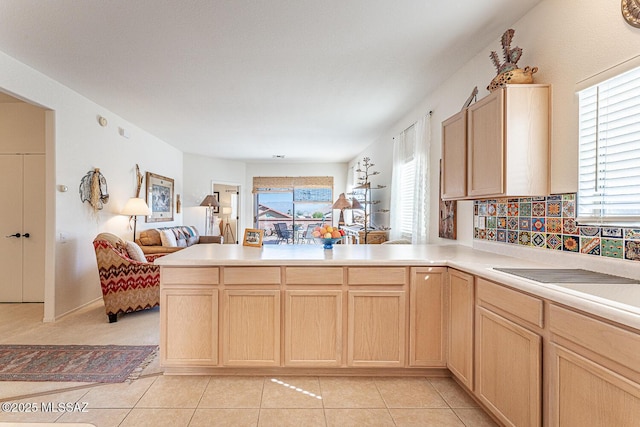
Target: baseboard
x,y
72,311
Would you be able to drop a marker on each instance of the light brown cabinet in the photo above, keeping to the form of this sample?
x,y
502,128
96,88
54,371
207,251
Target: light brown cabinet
x,y
461,323
189,326
595,372
508,355
507,138
454,157
251,328
508,142
427,321
313,328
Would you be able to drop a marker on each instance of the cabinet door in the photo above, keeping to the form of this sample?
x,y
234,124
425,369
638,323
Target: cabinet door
x,y
251,329
376,328
426,317
454,157
485,159
588,394
508,369
189,327
461,310
313,328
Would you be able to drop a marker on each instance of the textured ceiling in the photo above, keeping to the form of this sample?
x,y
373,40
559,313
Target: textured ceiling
x,y
246,79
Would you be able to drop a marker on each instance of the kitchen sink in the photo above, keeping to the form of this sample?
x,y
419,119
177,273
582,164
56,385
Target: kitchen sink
x,y
566,275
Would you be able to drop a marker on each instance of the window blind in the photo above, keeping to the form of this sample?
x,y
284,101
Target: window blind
x,y
609,151
407,176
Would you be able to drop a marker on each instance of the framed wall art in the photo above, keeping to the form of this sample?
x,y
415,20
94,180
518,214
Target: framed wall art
x,y
159,198
216,209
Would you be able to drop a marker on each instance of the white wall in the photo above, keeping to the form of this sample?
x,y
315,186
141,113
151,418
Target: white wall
x,y
79,145
200,173
569,40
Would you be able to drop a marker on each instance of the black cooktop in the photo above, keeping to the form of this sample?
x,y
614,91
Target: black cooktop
x,y
566,275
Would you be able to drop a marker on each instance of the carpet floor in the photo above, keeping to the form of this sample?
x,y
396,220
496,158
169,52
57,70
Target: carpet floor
x,y
76,363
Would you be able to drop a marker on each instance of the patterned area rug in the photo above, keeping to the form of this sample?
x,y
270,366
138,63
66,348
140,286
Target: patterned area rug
x,y
77,363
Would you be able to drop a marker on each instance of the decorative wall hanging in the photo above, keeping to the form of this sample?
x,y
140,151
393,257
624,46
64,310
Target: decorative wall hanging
x,y
138,180
471,98
508,71
631,12
447,224
159,198
178,204
93,189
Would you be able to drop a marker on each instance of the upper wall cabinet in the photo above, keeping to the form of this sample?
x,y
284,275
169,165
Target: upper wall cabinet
x,y
507,145
454,156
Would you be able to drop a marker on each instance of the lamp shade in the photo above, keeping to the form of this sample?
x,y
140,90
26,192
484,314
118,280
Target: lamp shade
x,y
210,200
341,203
136,206
226,210
355,204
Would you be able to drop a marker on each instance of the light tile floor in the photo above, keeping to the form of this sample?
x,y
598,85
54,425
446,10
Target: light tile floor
x,y
157,400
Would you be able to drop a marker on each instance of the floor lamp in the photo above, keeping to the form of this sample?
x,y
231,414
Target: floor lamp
x,y
226,210
135,206
210,201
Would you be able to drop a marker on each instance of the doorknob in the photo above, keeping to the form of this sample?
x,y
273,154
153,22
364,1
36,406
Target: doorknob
x,y
14,235
25,235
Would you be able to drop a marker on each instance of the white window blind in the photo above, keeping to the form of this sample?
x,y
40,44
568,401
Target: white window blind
x,y
609,151
408,177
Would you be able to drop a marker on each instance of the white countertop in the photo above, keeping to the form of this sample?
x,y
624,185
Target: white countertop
x,y
619,302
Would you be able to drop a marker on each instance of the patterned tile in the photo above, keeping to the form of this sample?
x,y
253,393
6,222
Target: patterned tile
x,y
524,200
537,224
492,222
615,233
524,209
538,240
501,223
570,196
512,236
590,231
512,223
524,238
569,208
554,225
501,209
554,241
590,245
538,199
491,209
482,234
524,224
613,248
475,208
476,233
538,209
554,208
482,208
632,234
512,209
492,235
632,250
554,197
501,236
569,226
570,243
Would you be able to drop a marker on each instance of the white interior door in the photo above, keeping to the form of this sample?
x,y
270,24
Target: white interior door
x,y
11,191
33,214
22,188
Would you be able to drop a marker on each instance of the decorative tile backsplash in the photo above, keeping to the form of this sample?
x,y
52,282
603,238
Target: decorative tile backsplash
x,y
550,223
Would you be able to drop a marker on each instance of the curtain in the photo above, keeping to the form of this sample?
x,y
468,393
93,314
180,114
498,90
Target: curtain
x,y
410,183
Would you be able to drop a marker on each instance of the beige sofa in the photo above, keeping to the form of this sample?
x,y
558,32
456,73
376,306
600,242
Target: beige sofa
x,y
171,239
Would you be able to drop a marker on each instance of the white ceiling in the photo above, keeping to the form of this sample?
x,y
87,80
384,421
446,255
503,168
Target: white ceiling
x,y
314,80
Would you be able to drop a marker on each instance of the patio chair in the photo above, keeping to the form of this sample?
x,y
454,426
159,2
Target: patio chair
x,y
308,236
284,234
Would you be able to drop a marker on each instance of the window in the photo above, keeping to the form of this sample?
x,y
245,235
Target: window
x,y
407,166
609,151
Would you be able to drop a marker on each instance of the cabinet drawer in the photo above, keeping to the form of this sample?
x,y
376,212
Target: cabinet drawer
x,y
524,307
314,276
377,275
614,343
251,275
190,275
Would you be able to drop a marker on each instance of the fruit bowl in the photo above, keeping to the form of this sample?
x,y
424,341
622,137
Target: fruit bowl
x,y
327,242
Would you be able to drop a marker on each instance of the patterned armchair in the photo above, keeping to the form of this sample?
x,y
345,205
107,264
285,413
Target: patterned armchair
x,y
127,285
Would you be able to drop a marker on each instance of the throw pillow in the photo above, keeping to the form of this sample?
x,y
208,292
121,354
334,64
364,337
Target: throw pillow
x,y
168,238
135,253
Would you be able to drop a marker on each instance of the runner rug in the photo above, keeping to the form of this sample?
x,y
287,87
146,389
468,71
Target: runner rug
x,y
77,363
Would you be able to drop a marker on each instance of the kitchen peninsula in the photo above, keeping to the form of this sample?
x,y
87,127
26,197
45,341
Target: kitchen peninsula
x,y
403,310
